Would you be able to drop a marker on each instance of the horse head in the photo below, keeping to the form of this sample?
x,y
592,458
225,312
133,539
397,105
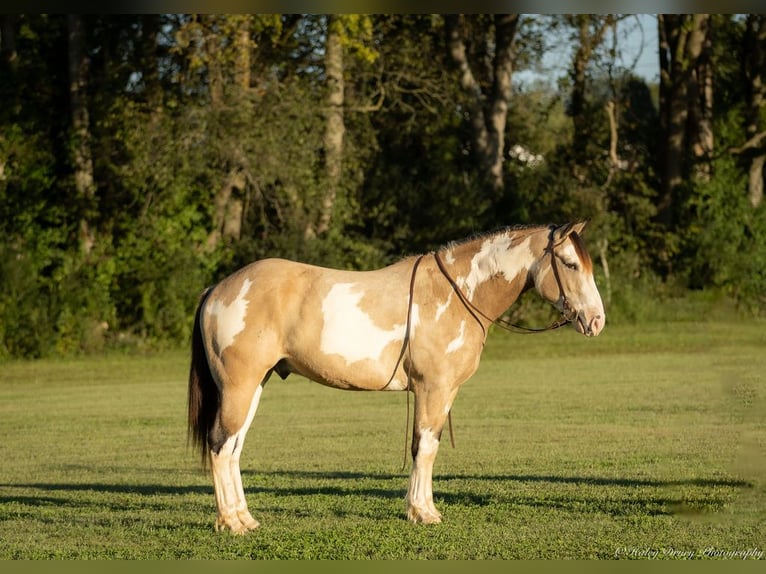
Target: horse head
x,y
564,276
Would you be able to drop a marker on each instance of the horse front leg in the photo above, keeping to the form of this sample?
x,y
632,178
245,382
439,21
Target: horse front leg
x,y
431,410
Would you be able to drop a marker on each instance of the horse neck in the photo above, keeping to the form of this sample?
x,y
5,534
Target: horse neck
x,y
492,271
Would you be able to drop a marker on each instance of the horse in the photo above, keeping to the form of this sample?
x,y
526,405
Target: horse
x,y
418,325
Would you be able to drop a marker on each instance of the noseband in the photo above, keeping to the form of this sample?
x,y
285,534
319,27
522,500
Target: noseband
x,y
567,311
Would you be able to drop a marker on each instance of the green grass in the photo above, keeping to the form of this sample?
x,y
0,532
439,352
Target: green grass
x,y
646,439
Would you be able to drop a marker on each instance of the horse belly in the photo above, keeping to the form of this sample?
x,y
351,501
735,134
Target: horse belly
x,y
334,371
350,348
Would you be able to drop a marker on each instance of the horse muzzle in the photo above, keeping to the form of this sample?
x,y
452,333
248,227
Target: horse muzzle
x,y
589,327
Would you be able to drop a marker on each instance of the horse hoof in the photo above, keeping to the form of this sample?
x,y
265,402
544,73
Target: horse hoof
x,y
247,519
418,516
233,525
250,523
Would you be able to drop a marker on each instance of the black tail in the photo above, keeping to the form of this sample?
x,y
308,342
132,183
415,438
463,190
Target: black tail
x,y
204,398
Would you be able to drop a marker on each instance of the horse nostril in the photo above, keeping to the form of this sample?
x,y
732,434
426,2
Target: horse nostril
x,y
596,324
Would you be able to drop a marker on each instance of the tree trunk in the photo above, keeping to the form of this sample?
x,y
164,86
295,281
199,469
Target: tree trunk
x,y
150,58
755,180
214,67
701,98
8,38
686,92
230,199
80,123
242,59
334,127
505,32
488,108
755,74
591,30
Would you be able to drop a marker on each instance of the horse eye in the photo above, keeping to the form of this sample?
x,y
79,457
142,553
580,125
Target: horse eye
x,y
572,266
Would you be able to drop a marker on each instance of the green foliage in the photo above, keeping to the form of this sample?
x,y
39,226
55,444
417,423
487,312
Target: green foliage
x,y
171,169
725,245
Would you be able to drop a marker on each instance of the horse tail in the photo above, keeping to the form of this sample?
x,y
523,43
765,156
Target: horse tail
x,y
204,397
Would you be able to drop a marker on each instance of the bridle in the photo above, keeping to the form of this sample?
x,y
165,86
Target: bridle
x,y
568,313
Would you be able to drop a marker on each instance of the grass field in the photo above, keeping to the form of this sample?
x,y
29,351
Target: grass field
x,y
649,441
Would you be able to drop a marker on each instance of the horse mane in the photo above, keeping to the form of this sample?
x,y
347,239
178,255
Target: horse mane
x,y
494,232
577,241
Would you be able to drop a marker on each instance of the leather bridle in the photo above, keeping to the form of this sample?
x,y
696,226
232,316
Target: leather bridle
x,y
568,313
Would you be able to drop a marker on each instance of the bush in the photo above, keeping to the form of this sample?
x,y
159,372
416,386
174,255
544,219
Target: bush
x,y
724,245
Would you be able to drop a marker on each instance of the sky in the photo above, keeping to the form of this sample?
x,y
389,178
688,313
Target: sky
x,y
638,29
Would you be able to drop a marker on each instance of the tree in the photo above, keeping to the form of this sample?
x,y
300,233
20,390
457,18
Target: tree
x,y
686,93
82,158
754,67
487,82
590,32
334,125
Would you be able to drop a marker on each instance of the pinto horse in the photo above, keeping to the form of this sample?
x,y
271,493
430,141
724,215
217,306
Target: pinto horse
x,y
418,325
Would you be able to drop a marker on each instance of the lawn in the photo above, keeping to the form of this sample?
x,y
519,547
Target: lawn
x,y
647,442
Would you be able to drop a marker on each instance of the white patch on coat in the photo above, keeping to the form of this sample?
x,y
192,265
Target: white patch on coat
x,y
458,341
350,332
442,307
568,254
449,257
496,256
396,385
229,319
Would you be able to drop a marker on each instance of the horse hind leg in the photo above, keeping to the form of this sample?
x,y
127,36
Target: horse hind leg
x,y
238,407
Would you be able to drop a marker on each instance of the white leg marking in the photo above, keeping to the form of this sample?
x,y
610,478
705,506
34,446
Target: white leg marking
x,y
420,497
351,333
230,319
227,478
241,505
225,488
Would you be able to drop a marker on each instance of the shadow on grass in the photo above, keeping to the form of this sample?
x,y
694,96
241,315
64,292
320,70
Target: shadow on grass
x,y
510,478
273,483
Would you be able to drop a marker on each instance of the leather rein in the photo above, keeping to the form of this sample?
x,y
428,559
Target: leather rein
x,y
567,316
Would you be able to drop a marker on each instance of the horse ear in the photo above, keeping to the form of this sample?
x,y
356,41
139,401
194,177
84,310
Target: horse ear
x,y
580,226
563,231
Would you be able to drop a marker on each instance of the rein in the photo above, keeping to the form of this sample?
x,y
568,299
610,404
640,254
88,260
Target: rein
x,y
566,315
407,347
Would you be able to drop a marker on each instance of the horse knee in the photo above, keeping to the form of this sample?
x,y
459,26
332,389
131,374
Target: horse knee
x,y
425,442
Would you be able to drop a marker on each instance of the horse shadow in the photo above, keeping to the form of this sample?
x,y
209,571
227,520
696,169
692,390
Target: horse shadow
x,y
654,499
449,490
